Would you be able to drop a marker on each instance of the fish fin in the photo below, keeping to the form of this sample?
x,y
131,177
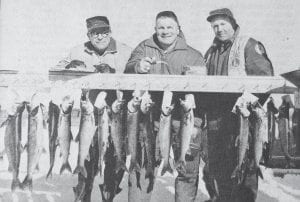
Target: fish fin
x,y
65,166
102,190
88,157
180,166
15,184
118,190
216,188
81,170
237,140
79,192
235,173
44,124
134,166
27,184
77,138
166,167
37,167
4,123
44,150
49,174
259,173
10,169
71,135
121,166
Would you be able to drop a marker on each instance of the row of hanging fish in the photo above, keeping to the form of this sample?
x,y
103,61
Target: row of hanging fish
x,y
34,145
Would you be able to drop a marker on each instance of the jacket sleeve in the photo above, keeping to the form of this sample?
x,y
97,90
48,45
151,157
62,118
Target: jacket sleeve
x,y
64,62
256,60
134,60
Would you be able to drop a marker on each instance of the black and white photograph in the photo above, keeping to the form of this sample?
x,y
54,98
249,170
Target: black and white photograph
x,y
149,101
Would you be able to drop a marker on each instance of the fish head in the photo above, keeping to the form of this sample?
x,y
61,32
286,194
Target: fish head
x,y
167,109
117,105
134,104
67,104
86,107
146,105
186,106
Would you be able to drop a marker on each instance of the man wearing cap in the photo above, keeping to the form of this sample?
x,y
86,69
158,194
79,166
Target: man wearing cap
x,y
102,53
100,49
231,54
166,52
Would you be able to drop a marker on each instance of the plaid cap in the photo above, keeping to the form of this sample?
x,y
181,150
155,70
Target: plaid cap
x,y
100,23
220,12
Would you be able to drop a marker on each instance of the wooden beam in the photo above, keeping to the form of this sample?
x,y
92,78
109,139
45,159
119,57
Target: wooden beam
x,y
190,83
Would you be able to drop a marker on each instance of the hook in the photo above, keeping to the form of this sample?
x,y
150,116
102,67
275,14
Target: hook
x,y
256,87
224,86
117,85
134,85
166,87
242,88
187,85
270,86
147,86
204,85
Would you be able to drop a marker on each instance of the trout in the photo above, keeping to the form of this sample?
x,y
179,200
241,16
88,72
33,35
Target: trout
x,y
103,127
35,147
12,143
53,116
260,133
185,131
64,132
133,116
86,132
118,130
241,140
147,132
164,132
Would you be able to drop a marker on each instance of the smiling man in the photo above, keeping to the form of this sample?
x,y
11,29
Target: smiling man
x,y
101,53
166,52
231,54
101,50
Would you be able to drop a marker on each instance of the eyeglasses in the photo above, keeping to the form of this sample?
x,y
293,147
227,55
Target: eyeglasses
x,y
98,34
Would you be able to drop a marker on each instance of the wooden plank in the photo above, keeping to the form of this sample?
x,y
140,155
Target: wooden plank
x,y
190,83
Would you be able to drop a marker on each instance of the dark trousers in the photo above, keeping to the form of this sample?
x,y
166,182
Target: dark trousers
x,y
222,160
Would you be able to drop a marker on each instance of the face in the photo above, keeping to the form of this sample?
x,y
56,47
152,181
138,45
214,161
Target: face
x,y
100,40
166,30
222,28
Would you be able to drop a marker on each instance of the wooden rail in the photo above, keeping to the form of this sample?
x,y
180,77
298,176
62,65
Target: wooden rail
x,y
190,83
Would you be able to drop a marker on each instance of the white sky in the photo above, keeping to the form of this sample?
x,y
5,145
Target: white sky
x,y
36,34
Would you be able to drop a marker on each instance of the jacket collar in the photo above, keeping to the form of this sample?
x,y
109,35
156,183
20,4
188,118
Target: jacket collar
x,y
112,47
153,43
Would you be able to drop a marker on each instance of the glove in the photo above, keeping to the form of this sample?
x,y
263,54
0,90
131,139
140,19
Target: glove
x,y
104,68
75,63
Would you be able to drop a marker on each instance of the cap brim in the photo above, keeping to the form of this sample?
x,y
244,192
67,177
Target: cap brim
x,y
211,17
99,29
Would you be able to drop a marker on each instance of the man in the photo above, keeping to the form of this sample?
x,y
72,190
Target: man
x,y
102,53
166,52
232,53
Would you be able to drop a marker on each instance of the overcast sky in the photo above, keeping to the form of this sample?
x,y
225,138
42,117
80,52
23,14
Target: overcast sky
x,y
36,34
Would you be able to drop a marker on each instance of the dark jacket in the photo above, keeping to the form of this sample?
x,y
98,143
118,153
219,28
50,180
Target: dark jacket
x,y
181,56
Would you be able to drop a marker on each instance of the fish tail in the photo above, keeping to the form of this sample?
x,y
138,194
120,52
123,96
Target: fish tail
x,y
166,168
65,166
15,184
259,173
79,192
180,166
27,183
104,193
49,172
81,170
236,173
121,166
134,166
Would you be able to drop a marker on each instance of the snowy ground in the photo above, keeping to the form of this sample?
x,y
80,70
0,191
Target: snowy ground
x,y
59,187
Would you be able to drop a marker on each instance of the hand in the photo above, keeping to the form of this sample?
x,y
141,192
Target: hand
x,y
145,65
104,68
75,64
